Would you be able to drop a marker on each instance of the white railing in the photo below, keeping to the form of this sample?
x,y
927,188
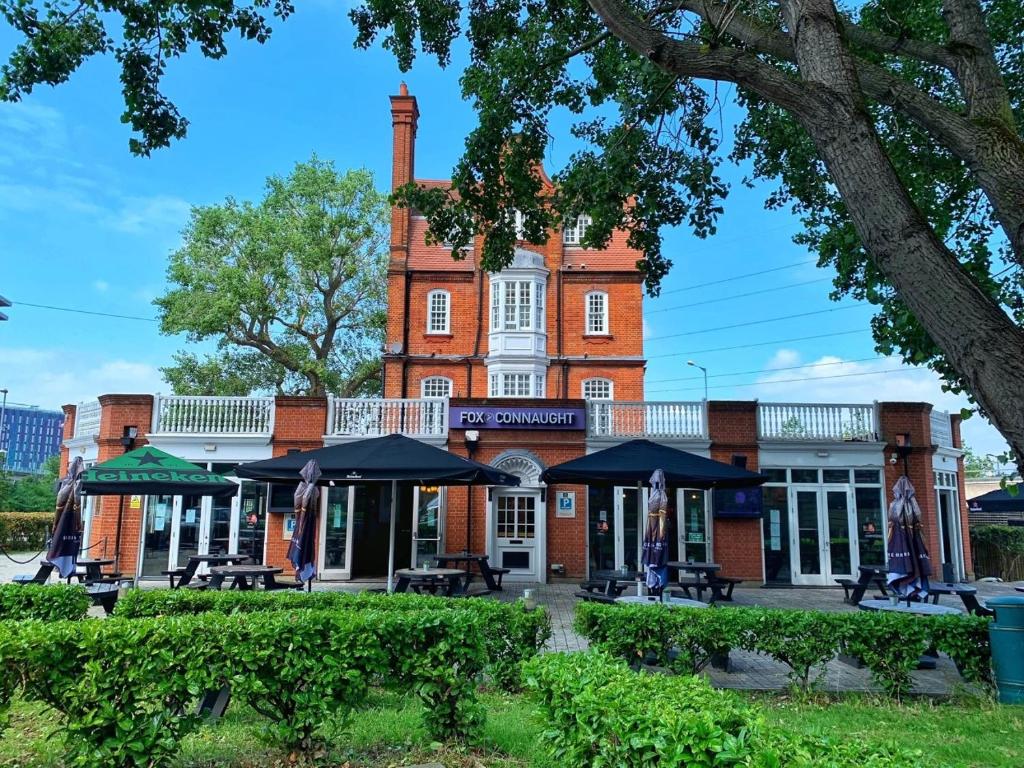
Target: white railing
x,y
646,419
812,421
185,414
367,418
87,419
942,430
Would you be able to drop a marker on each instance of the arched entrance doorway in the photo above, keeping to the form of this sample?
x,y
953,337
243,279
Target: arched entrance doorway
x,y
517,519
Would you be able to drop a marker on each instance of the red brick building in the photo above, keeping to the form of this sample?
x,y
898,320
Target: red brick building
x,y
470,359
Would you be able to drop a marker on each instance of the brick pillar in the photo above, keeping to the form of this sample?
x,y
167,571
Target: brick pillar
x,y
116,413
70,412
732,427
299,423
965,529
914,419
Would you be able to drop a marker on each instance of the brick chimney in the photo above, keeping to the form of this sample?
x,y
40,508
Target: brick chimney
x,y
404,114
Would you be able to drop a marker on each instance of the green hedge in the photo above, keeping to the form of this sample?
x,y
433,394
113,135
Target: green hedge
x,y
998,550
600,713
49,602
128,688
889,644
25,531
514,634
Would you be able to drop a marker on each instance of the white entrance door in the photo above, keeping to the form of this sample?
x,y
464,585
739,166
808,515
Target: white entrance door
x,y
516,518
630,520
427,524
823,534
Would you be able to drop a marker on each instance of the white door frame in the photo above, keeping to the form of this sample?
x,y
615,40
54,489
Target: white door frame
x,y
619,513
539,571
681,523
321,556
442,503
826,576
956,544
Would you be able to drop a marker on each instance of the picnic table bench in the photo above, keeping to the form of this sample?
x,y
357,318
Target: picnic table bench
x,y
187,572
706,578
492,576
853,591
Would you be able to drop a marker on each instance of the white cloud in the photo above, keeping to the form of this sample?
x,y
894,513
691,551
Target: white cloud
x,y
101,285
52,377
833,379
144,214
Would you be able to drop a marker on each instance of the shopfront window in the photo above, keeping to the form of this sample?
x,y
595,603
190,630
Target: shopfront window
x,y
252,524
870,525
156,545
693,524
601,514
776,534
188,528
427,530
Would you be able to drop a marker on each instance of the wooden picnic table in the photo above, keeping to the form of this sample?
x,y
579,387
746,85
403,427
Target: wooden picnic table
x,y
432,578
670,602
968,595
469,559
612,577
703,574
241,575
185,574
869,574
93,568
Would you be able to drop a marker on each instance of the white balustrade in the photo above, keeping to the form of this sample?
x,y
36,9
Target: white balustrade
x,y
608,418
942,430
814,421
87,419
185,414
363,417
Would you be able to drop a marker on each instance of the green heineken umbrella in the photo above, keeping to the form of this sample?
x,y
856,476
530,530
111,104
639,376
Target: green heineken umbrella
x,y
149,470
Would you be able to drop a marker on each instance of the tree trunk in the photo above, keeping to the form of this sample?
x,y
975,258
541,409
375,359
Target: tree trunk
x,y
974,333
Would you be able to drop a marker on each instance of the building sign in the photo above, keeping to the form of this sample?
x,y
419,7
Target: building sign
x,y
516,417
289,526
565,504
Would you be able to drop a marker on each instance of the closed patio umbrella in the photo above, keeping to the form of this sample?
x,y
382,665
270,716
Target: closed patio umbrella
x,y
66,541
301,549
393,459
909,562
655,546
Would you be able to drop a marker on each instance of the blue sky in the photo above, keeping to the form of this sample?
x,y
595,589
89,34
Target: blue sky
x,y
85,224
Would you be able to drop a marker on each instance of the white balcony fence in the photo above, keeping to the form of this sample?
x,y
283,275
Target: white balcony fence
x,y
87,419
807,421
370,418
646,419
183,414
942,430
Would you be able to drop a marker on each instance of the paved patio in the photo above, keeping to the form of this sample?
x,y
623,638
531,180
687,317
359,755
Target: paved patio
x,y
748,671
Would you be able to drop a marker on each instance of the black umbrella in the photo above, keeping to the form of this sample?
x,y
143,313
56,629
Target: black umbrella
x,y
394,458
631,462
301,550
655,546
999,500
67,525
909,562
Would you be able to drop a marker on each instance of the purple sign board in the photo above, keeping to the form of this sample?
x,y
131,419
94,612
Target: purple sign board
x,y
516,417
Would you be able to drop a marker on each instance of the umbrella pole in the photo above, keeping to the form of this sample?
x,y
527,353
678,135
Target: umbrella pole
x,y
391,536
117,534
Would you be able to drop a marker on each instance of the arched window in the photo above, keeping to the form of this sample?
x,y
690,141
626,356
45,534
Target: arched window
x,y
597,313
598,389
436,386
438,312
575,231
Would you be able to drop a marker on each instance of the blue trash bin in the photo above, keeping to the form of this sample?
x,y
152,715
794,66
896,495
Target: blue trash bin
x,y
1006,635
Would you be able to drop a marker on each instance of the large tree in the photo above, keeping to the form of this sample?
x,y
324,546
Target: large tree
x,y
291,289
891,126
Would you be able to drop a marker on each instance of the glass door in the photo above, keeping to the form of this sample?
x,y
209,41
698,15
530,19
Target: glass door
x,y
335,524
252,521
426,526
630,516
694,530
516,531
156,542
823,534
188,525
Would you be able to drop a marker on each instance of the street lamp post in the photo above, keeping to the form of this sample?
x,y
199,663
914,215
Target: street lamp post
x,y
705,371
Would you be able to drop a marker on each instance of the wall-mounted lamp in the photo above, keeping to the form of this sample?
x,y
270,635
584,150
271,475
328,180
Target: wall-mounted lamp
x,y
128,438
472,440
210,447
903,450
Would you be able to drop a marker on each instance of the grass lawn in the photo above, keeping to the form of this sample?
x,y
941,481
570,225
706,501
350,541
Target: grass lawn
x,y
388,733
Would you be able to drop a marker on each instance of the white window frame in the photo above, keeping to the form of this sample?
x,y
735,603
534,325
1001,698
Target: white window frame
x,y
590,315
447,312
574,233
434,380
601,381
516,306
517,384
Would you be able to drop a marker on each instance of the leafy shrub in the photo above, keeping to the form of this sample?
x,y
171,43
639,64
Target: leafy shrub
x,y
128,687
49,602
889,644
513,633
25,531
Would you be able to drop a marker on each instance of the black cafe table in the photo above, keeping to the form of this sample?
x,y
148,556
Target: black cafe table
x,y
467,560
968,595
93,568
918,609
703,575
431,578
612,579
240,574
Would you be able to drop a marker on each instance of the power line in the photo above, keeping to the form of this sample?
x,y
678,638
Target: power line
x,y
757,344
771,370
743,276
802,379
756,322
739,295
84,311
